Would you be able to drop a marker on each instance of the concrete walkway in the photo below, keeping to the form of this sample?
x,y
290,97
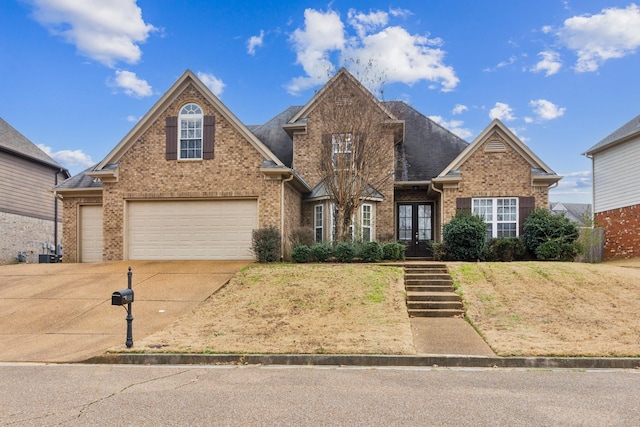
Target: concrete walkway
x,y
63,312
447,335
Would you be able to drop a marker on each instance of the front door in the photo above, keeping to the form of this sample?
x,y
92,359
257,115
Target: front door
x,y
415,228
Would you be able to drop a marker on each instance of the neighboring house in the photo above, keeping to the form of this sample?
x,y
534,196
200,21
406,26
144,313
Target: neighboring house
x,y
30,216
616,190
190,181
578,213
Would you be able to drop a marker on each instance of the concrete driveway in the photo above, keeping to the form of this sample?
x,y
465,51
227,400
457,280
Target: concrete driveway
x,y
63,312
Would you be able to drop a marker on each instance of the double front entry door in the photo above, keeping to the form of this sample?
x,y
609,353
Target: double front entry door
x,y
415,228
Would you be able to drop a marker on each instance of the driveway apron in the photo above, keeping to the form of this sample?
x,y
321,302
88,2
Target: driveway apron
x,y
63,312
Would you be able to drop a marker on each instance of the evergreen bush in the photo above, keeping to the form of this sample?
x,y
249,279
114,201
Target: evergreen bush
x,y
265,244
464,238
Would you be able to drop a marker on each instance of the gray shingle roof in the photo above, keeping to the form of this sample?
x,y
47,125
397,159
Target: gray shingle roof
x,y
80,181
427,148
12,140
274,136
631,128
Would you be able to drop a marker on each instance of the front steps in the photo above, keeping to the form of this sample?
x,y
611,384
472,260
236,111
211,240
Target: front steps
x,y
429,289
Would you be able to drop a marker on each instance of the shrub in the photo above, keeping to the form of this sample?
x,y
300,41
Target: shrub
x,y
439,251
371,252
506,250
344,252
464,238
557,233
302,236
393,251
301,253
321,252
265,244
556,250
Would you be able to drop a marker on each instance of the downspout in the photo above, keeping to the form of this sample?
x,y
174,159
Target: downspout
x,y
282,216
433,186
55,215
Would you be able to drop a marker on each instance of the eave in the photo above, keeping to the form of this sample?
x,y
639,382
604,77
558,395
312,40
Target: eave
x,y
108,175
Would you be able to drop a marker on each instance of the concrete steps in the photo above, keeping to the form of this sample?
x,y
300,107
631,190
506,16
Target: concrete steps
x,y
429,291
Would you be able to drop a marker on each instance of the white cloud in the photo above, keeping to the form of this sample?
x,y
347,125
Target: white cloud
x,y
131,84
502,112
323,33
366,23
391,51
400,13
132,119
546,110
547,29
68,158
107,31
613,33
454,126
459,109
550,63
212,82
254,42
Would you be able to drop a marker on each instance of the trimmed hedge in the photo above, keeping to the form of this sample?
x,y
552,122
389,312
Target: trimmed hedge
x,y
265,244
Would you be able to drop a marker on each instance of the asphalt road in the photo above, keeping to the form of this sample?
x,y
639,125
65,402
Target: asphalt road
x,y
126,395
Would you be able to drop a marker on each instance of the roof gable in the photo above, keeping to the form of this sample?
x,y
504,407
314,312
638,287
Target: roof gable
x,y
508,136
162,104
341,75
624,133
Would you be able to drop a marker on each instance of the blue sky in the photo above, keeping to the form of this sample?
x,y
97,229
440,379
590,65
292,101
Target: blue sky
x,y
75,75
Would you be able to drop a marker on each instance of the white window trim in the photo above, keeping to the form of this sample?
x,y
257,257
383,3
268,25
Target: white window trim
x,y
197,116
494,212
370,225
317,226
341,144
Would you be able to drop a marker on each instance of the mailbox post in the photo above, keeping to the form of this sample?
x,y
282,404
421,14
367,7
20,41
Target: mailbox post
x,y
122,298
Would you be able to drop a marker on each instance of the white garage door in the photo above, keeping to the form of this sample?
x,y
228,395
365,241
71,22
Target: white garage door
x,y
90,233
191,230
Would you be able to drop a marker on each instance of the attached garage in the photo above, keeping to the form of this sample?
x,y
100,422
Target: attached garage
x,y
90,233
190,230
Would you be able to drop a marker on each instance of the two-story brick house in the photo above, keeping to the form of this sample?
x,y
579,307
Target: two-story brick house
x,y
190,181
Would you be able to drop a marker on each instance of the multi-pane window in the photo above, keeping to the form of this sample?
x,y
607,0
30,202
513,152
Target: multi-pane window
x,y
342,145
318,223
366,223
190,132
500,215
405,222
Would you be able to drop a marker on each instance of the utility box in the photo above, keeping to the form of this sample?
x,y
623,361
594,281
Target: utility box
x,y
122,297
47,258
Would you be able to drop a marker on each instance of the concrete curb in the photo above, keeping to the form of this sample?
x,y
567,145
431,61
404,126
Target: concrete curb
x,y
452,361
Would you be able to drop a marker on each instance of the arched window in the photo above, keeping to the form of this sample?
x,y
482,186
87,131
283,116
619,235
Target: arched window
x,y
190,132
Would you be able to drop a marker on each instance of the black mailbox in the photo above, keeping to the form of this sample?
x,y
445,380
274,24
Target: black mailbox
x,y
122,297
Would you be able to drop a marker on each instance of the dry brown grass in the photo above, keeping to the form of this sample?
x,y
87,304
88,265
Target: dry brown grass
x,y
561,309
529,308
297,309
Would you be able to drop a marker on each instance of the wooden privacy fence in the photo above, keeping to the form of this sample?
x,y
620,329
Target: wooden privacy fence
x,y
592,241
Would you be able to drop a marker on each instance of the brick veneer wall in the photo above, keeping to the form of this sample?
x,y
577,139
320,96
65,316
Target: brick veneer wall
x,y
25,234
494,174
144,173
307,160
622,232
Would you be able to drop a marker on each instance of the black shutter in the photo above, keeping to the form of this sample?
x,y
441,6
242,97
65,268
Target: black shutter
x,y
208,137
171,133
463,205
326,153
526,206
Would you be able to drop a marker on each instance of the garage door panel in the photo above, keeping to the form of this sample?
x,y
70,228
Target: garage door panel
x,y
216,230
90,233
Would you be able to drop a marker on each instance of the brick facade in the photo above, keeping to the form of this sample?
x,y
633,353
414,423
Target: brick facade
x,y
622,232
488,173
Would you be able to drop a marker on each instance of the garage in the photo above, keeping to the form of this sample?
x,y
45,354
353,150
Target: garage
x,y
91,233
191,230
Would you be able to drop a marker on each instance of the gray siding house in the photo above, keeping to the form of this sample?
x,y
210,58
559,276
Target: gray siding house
x,y
30,216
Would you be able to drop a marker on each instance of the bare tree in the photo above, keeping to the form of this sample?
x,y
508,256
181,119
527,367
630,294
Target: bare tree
x,y
357,147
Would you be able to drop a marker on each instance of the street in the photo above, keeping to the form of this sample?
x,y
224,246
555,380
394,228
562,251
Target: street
x,y
132,395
